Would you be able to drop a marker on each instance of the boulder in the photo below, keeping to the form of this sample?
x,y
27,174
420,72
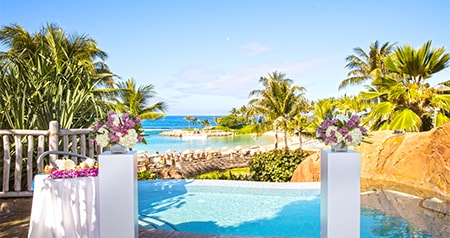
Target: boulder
x,y
419,159
309,169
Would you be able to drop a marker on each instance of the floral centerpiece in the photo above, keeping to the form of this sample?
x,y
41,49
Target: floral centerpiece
x,y
341,131
87,168
74,173
119,129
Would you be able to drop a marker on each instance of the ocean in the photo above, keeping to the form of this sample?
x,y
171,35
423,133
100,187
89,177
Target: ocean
x,y
161,144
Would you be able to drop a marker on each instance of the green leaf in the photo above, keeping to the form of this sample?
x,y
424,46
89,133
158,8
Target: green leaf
x,y
406,120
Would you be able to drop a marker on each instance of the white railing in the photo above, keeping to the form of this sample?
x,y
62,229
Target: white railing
x,y
15,142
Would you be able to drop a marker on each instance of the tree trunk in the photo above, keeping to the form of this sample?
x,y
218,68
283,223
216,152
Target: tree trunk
x,y
300,141
286,147
276,139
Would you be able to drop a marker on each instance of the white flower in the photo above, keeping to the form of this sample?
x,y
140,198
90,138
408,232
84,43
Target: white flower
x,y
357,137
111,130
116,119
130,139
102,139
330,130
103,130
342,118
339,137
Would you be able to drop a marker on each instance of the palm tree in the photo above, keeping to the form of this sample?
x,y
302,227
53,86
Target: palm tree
x,y
278,101
411,104
195,121
299,124
134,100
54,70
205,123
188,119
366,66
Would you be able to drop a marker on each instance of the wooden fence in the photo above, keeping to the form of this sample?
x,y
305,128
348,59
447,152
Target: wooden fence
x,y
19,151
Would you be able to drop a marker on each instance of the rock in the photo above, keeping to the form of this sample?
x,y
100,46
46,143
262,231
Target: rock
x,y
419,159
169,173
309,171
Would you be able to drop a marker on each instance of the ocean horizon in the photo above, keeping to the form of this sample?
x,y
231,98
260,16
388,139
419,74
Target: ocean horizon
x,y
162,144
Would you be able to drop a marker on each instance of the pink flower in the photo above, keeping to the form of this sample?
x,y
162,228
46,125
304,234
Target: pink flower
x,y
117,127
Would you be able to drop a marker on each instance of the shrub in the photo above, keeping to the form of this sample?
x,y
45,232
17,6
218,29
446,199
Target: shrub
x,y
276,165
231,174
146,175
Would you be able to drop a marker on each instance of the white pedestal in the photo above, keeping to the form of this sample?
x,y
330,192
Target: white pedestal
x,y
340,194
118,195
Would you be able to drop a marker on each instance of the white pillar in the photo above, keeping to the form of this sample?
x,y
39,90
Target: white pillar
x,y
340,194
118,195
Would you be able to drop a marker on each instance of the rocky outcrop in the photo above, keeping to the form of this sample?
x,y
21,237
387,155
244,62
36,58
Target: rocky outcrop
x,y
420,159
309,169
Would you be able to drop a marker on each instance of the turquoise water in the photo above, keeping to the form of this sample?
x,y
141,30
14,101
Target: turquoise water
x,y
252,209
157,143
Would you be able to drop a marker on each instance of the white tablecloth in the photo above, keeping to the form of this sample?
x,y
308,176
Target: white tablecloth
x,y
65,208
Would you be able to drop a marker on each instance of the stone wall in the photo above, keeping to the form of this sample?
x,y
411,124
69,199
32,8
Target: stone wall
x,y
420,159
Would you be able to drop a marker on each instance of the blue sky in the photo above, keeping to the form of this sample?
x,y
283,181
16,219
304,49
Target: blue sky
x,y
204,57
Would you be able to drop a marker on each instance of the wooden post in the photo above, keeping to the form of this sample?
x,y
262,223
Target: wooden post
x,y
18,167
30,162
6,163
53,131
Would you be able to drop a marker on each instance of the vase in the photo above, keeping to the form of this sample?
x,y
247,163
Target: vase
x,y
339,148
119,149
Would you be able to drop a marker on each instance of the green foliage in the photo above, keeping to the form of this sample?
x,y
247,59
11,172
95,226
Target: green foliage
x,y
248,129
146,175
276,165
231,174
233,122
47,76
133,99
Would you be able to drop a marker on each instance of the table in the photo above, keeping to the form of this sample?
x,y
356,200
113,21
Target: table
x,y
64,208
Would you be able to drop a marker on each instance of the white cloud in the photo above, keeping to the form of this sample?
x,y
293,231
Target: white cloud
x,y
197,89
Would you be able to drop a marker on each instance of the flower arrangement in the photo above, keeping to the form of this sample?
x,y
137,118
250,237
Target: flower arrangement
x,y
123,129
341,131
87,168
73,173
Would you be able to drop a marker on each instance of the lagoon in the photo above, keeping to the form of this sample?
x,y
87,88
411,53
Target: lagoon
x,y
157,143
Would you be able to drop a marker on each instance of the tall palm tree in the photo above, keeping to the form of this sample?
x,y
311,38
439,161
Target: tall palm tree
x,y
49,76
278,101
189,119
411,104
135,100
195,121
366,66
299,124
205,123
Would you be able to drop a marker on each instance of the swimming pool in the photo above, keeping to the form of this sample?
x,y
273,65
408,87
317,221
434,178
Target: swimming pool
x,y
244,208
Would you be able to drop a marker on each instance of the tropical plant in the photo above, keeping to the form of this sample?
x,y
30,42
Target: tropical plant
x,y
279,101
195,121
49,76
188,119
299,123
366,66
411,104
205,123
134,100
276,165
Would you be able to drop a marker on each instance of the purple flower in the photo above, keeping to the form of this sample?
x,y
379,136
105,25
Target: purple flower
x,y
76,173
344,126
116,126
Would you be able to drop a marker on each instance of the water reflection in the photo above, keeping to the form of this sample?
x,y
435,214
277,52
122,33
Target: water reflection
x,y
423,210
